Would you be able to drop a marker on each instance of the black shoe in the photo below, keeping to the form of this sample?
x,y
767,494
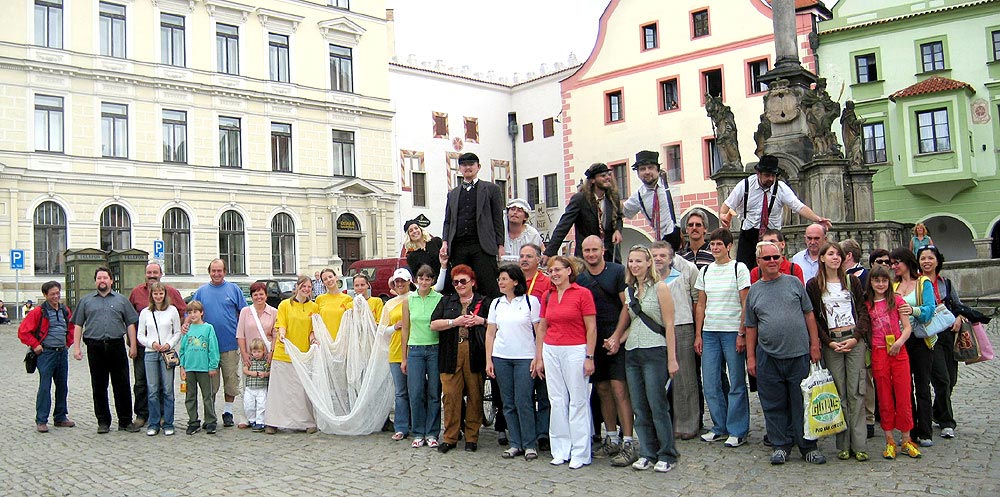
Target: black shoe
x,y
444,447
102,429
471,446
503,439
767,441
210,428
871,431
227,419
131,428
543,444
192,429
388,426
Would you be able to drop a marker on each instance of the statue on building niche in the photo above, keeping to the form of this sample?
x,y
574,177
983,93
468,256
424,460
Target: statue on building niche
x,y
762,134
820,112
850,131
724,124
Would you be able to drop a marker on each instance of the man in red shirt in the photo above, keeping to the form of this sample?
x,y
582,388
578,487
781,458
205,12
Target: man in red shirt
x,y
529,258
786,267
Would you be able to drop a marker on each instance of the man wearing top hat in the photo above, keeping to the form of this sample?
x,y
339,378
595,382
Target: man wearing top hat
x,y
473,225
762,197
594,210
653,199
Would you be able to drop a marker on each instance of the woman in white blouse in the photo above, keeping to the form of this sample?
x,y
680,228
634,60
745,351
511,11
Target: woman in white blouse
x,y
159,330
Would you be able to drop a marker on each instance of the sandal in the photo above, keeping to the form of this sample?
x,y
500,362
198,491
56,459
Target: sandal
x,y
398,436
432,442
861,456
530,455
417,443
511,453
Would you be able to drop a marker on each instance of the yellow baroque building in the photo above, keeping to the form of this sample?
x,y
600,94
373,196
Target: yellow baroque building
x,y
257,131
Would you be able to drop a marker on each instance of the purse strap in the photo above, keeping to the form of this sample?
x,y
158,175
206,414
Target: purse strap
x,y
157,326
260,328
635,305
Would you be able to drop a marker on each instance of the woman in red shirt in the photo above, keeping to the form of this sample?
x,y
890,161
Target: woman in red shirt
x,y
566,338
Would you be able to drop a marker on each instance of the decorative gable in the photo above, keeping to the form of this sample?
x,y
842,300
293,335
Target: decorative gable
x,y
228,12
341,31
278,22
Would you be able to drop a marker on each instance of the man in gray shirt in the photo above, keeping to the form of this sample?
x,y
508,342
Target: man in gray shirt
x,y
781,341
103,318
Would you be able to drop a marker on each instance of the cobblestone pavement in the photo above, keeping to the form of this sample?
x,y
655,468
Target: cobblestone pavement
x,y
78,461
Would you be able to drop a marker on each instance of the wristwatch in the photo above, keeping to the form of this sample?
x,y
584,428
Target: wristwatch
x,y
451,322
590,357
741,334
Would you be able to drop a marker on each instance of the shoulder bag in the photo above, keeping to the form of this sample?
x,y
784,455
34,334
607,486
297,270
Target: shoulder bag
x,y
170,358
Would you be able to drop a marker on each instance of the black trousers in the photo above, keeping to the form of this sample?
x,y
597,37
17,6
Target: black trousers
x,y
921,365
108,359
139,388
944,377
483,264
747,248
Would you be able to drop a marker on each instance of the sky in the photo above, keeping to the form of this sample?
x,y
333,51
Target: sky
x,y
502,36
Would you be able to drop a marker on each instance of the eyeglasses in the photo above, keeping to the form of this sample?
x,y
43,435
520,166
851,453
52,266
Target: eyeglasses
x,y
769,257
894,263
460,282
884,262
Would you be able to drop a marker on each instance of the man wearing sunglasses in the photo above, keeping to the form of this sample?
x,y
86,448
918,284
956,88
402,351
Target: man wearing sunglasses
x,y
786,266
697,250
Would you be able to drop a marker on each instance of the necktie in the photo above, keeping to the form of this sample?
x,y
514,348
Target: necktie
x,y
600,219
764,216
656,212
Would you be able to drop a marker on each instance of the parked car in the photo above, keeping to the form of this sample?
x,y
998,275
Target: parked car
x,y
378,272
278,289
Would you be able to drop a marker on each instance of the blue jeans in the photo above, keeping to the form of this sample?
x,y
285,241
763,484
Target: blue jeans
x,y
543,409
53,366
730,410
779,386
401,420
423,382
647,375
517,389
160,385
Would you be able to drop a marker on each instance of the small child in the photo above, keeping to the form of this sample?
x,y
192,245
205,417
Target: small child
x,y
199,353
255,378
890,362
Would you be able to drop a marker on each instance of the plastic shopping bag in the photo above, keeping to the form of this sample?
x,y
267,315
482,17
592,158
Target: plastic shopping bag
x,y
823,414
985,347
966,345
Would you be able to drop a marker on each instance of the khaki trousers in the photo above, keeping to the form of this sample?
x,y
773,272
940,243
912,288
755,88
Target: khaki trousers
x,y
455,385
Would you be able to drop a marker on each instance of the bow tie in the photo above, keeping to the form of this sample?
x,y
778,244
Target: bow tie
x,y
468,186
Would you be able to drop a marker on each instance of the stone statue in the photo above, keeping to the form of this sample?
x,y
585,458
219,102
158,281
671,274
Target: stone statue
x,y
762,134
850,131
820,112
724,123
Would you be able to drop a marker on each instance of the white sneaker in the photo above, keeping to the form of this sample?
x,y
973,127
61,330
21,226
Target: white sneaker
x,y
712,436
663,467
557,462
735,441
947,433
577,464
642,464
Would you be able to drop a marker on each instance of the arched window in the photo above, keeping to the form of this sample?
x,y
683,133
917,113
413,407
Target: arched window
x,y
116,228
50,238
232,248
176,242
282,244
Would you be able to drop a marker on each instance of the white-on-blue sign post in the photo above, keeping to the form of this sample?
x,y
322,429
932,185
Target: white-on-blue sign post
x,y
17,264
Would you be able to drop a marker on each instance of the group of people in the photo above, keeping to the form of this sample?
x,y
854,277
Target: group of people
x,y
659,336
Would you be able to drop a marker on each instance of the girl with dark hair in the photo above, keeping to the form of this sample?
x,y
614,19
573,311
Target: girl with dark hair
x,y
918,293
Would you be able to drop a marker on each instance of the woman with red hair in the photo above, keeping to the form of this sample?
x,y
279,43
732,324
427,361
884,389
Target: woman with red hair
x,y
256,321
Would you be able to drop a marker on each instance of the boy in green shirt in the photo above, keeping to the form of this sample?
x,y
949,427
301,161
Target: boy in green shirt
x,y
199,353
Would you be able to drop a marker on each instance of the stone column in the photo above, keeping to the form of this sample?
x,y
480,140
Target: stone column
x,y
783,19
983,247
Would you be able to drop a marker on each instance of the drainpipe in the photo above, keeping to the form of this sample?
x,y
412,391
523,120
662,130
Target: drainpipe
x,y
512,132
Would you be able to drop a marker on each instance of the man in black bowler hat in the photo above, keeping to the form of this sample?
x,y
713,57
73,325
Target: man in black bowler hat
x,y
473,225
594,210
653,199
762,198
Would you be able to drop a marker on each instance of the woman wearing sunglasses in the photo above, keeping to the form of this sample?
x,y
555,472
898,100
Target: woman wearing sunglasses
x,y
460,321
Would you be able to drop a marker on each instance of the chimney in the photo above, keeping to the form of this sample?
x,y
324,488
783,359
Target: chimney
x,y
390,33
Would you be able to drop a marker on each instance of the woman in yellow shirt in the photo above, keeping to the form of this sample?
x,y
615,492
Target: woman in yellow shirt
x,y
288,405
392,316
363,287
334,303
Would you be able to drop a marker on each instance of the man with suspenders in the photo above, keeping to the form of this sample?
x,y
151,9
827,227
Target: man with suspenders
x,y
653,199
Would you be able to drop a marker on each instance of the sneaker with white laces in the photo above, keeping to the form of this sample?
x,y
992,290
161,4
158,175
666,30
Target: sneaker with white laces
x,y
626,456
712,436
947,433
735,441
557,462
607,449
642,464
663,467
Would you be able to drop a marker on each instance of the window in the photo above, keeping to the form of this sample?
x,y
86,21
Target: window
x,y
341,69
551,191
229,142
343,153
531,185
699,23
714,160
932,56
472,130
114,130
613,107
620,173
440,125
996,45
340,4
712,82
277,50
932,127
282,244
50,238
172,40
231,242
48,23
174,136
548,127
227,48
757,69
116,228
501,175
176,242
672,155
527,132
649,38
48,123
281,147
414,162
668,95
112,27
874,142
866,67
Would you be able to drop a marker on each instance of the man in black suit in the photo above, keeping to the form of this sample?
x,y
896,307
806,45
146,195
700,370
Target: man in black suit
x,y
473,225
594,210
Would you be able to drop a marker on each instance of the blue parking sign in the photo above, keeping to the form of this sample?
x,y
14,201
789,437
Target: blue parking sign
x,y
158,249
16,259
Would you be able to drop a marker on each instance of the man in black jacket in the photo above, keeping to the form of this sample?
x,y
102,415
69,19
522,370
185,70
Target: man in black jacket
x,y
594,210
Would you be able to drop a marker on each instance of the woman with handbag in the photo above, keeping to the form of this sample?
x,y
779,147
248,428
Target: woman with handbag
x,y
159,330
944,373
844,330
256,321
918,293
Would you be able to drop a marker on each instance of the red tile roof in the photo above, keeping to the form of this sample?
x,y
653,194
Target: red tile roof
x,y
933,84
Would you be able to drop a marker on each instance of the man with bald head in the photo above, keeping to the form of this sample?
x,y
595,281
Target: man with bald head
x,y
139,298
808,258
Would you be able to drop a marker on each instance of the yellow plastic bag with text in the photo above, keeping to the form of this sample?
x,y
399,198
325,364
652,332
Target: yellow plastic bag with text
x,y
823,414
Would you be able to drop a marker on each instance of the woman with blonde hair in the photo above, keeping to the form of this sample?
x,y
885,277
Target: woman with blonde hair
x,y
921,238
420,246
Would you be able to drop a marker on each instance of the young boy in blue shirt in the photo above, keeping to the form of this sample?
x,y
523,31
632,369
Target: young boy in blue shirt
x,y
199,354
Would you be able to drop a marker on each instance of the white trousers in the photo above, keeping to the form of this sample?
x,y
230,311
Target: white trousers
x,y
570,425
254,400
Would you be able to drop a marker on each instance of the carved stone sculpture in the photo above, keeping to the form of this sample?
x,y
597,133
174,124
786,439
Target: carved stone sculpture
x,y
762,134
820,112
850,131
724,123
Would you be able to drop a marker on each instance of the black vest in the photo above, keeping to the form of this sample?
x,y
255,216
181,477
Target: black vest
x,y
466,223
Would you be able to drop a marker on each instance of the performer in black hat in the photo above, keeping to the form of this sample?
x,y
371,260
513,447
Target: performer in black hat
x,y
473,225
653,199
762,198
594,210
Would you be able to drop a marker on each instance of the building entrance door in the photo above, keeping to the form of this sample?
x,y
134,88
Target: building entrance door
x,y
349,250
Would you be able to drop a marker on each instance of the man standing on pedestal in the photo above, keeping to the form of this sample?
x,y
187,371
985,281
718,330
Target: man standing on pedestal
x,y
474,225
808,258
653,199
594,210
